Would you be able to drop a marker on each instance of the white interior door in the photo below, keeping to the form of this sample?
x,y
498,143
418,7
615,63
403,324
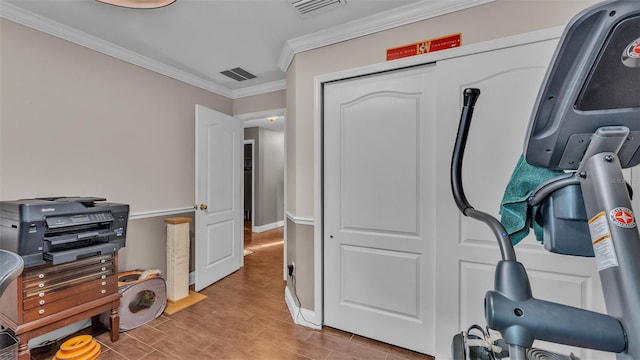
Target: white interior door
x,y
378,207
219,222
509,80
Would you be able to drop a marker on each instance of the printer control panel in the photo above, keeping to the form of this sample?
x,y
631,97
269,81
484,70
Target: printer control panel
x,y
66,220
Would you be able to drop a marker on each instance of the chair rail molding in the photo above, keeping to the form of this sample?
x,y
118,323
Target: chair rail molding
x,y
299,220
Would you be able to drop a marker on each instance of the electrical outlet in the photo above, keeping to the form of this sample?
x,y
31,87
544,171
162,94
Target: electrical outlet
x,y
291,267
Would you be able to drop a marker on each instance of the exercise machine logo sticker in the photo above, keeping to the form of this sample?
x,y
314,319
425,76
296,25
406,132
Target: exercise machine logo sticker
x,y
631,54
622,217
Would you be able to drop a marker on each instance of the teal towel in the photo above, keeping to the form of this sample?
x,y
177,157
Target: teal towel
x,y
514,208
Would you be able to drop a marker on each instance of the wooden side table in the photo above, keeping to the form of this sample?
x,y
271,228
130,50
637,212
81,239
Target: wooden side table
x,y
48,297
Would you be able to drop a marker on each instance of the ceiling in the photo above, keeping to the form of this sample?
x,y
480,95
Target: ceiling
x,y
194,40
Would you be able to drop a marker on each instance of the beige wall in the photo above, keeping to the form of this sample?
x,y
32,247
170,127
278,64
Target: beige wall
x,y
77,122
300,248
146,244
270,202
262,102
490,21
135,126
486,22
290,139
268,165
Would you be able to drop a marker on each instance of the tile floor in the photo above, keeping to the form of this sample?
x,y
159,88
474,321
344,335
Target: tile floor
x,y
244,317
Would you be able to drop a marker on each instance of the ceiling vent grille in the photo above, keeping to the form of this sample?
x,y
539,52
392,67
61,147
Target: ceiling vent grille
x,y
238,74
306,8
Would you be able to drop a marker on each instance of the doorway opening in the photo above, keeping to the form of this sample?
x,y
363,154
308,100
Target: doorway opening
x,y
263,203
249,191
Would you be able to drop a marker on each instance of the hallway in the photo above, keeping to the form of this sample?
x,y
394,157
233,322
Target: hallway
x,y
244,317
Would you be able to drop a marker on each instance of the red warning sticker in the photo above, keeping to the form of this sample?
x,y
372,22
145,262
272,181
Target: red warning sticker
x,y
426,46
622,217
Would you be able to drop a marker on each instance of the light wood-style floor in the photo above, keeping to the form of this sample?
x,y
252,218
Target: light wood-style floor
x,y
244,317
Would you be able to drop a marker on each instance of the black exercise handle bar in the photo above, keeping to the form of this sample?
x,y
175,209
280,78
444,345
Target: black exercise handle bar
x,y
506,248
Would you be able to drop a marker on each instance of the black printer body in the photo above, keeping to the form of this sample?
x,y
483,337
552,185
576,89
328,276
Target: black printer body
x,y
62,229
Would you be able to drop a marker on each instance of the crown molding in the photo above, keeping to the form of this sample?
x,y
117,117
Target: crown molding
x,y
372,24
259,89
408,14
258,115
11,12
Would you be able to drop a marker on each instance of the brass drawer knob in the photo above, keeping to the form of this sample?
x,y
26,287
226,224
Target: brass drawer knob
x,y
103,277
104,268
41,285
41,311
103,261
103,291
41,294
103,283
41,302
40,276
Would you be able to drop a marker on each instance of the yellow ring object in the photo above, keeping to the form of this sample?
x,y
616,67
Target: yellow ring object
x,y
80,354
95,351
96,356
81,347
76,343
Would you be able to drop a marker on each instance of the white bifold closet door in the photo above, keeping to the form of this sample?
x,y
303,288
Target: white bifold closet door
x,y
379,263
509,80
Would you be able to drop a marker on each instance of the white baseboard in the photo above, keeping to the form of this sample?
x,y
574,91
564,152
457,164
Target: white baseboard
x,y
299,315
261,228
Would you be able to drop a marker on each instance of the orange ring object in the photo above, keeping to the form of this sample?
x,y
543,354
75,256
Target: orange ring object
x,y
95,351
83,353
96,355
76,343
81,347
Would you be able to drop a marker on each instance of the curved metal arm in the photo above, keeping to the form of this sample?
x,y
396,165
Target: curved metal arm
x,y
470,98
545,189
506,248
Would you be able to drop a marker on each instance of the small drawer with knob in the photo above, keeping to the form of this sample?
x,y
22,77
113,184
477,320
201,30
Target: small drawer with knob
x,y
45,272
37,298
67,278
40,307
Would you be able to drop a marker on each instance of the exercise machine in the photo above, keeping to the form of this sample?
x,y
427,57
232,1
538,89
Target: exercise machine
x,y
586,122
